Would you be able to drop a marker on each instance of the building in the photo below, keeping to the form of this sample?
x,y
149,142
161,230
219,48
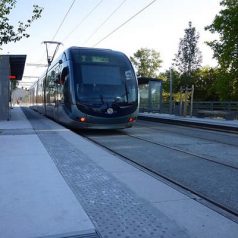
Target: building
x,y
11,68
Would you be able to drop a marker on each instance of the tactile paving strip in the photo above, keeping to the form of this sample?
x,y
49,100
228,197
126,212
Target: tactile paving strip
x,y
115,210
16,132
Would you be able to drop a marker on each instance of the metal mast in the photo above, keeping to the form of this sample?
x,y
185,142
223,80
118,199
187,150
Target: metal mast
x,y
51,57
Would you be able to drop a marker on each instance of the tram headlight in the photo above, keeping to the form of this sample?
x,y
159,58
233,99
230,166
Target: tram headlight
x,y
82,119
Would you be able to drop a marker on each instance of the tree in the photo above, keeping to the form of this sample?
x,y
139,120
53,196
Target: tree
x,y
226,47
9,33
224,87
165,76
189,58
205,80
147,62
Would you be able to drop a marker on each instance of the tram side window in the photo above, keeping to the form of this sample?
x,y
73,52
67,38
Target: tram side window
x,y
61,85
40,97
52,86
131,86
66,91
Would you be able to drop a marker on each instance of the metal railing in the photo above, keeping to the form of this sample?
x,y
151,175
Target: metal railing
x,y
212,109
211,105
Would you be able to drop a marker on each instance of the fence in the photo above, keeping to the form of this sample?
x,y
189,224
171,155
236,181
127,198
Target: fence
x,y
212,109
227,110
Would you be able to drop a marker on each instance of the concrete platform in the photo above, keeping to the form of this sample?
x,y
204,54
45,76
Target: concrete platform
x,y
222,124
189,215
35,201
120,199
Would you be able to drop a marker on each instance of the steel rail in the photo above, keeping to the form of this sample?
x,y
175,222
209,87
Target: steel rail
x,y
233,215
198,137
184,152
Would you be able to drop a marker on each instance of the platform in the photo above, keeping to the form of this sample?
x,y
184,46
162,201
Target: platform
x,y
55,183
35,200
206,122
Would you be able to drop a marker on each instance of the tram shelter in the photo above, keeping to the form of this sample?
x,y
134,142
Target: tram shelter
x,y
11,68
150,94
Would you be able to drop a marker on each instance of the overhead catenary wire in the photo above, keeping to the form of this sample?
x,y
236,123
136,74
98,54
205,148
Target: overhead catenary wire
x,y
65,16
67,13
76,27
104,22
124,23
90,13
62,22
57,31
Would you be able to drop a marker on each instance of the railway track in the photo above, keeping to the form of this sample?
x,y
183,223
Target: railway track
x,y
185,152
232,134
206,198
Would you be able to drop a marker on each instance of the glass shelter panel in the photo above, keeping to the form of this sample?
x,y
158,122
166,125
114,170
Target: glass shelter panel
x,y
144,96
154,95
150,95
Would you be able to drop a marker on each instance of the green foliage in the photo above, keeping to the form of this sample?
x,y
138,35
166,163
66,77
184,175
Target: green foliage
x,y
205,80
226,87
166,80
226,25
226,48
147,62
207,86
9,33
165,77
189,58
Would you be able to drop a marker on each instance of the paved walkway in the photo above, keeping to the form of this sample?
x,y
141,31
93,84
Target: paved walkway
x,y
35,201
37,156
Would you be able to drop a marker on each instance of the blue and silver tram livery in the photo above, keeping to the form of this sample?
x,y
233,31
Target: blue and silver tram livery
x,y
88,88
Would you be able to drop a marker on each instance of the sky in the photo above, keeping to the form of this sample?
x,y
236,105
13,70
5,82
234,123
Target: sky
x,y
96,23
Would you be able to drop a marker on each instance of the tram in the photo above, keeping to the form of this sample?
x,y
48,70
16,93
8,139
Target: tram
x,y
88,88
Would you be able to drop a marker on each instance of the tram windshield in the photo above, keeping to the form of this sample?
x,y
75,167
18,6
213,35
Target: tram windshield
x,y
104,78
